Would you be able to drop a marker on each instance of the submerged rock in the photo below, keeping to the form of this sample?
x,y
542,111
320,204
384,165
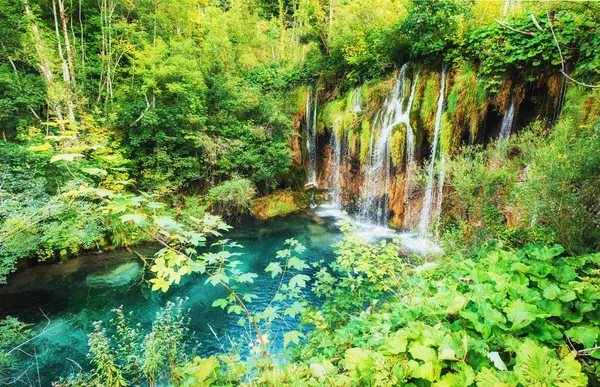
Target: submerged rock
x,y
121,276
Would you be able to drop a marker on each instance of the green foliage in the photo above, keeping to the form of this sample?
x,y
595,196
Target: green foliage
x,y
13,334
433,27
518,193
501,318
121,353
232,197
36,220
467,106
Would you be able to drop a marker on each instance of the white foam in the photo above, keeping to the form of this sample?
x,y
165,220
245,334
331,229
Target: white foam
x,y
419,244
331,211
372,232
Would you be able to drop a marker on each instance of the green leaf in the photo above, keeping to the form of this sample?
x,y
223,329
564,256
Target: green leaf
x,y
95,171
537,366
166,222
235,309
584,334
221,302
160,283
297,264
40,148
215,279
299,280
551,292
274,268
567,296
292,337
65,157
396,344
422,352
247,278
447,354
520,314
137,219
295,309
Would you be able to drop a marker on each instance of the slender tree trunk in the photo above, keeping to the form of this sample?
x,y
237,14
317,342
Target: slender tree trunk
x,y
61,9
43,61
65,66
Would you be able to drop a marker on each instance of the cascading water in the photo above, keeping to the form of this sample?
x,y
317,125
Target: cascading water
x,y
374,206
336,164
507,121
440,196
560,100
357,102
426,214
311,137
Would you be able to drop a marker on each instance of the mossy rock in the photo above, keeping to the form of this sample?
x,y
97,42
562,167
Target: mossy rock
x,y
332,111
279,203
398,144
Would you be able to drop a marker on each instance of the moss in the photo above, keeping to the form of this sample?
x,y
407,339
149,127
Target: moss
x,y
398,144
467,104
582,106
376,92
428,108
299,97
447,135
350,122
365,140
279,203
332,111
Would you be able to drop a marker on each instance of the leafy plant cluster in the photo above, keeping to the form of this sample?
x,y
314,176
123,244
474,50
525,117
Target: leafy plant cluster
x,y
500,318
537,186
504,318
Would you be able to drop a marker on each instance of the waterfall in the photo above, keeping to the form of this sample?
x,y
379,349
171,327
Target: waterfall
x,y
374,206
357,102
335,145
507,121
425,220
560,101
440,196
311,137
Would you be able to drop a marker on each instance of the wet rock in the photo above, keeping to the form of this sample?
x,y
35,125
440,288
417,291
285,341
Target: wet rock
x,y
120,276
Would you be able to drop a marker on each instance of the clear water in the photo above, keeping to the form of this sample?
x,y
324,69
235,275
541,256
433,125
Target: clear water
x,y
77,293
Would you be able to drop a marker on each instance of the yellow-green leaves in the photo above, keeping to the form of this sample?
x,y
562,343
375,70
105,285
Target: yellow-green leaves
x,y
292,337
65,157
41,148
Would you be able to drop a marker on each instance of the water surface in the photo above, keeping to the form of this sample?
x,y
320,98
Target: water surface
x,y
76,293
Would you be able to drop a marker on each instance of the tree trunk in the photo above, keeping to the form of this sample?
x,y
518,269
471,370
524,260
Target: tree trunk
x,y
43,62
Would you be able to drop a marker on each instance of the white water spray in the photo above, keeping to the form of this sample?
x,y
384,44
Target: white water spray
x,y
426,213
357,102
311,137
507,121
374,206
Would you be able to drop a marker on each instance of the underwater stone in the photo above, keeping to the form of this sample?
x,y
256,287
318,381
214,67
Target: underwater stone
x,y
121,276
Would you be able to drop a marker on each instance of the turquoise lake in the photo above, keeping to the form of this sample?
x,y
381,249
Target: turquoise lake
x,y
81,291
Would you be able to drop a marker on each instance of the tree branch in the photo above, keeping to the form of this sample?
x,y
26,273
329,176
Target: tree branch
x,y
562,59
528,33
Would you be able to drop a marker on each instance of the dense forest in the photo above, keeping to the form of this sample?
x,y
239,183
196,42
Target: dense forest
x,y
463,134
